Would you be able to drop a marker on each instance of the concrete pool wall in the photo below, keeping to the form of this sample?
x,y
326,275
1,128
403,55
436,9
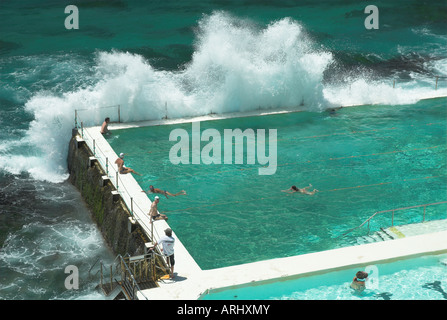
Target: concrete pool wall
x,y
192,282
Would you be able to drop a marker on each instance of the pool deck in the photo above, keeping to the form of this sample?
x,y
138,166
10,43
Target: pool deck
x,y
131,191
190,286
208,117
415,229
191,281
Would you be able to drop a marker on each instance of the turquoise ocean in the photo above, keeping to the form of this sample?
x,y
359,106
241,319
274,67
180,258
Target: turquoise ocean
x,y
181,58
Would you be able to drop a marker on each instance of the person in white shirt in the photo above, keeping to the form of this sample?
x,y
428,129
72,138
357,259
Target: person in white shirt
x,y
167,242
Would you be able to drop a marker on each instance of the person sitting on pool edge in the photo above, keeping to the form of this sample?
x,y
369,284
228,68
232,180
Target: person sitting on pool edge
x,y
166,193
358,283
153,212
121,168
304,190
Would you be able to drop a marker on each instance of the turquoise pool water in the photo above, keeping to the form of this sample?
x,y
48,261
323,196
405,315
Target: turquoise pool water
x,y
362,159
423,278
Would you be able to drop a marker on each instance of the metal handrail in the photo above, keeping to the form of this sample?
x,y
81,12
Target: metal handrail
x,y
437,79
392,217
134,282
115,106
124,268
124,193
93,265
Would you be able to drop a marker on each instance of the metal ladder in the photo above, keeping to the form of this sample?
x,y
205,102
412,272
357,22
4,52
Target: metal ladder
x,y
392,211
130,274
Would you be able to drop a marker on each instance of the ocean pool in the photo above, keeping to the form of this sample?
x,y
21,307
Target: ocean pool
x,y
362,160
422,278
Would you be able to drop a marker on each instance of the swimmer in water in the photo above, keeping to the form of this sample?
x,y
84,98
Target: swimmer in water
x,y
304,190
166,193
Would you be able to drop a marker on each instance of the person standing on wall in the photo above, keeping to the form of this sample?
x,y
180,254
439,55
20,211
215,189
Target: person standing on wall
x,y
167,242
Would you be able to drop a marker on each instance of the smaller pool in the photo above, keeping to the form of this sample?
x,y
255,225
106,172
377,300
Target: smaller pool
x,y
422,278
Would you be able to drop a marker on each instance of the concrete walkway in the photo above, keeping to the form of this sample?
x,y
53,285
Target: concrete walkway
x,y
130,191
415,229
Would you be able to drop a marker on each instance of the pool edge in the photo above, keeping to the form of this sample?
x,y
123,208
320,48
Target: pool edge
x,y
192,282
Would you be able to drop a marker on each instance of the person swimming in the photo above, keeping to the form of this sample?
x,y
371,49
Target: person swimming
x,y
166,193
304,190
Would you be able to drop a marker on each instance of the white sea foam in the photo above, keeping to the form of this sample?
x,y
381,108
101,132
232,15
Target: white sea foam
x,y
362,91
236,66
439,67
60,244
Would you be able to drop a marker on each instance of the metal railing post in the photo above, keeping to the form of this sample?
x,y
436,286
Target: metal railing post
x,y
152,231
107,166
392,217
101,281
94,148
119,114
111,278
166,110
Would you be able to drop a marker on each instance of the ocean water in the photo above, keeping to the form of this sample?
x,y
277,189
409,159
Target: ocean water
x,y
177,59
